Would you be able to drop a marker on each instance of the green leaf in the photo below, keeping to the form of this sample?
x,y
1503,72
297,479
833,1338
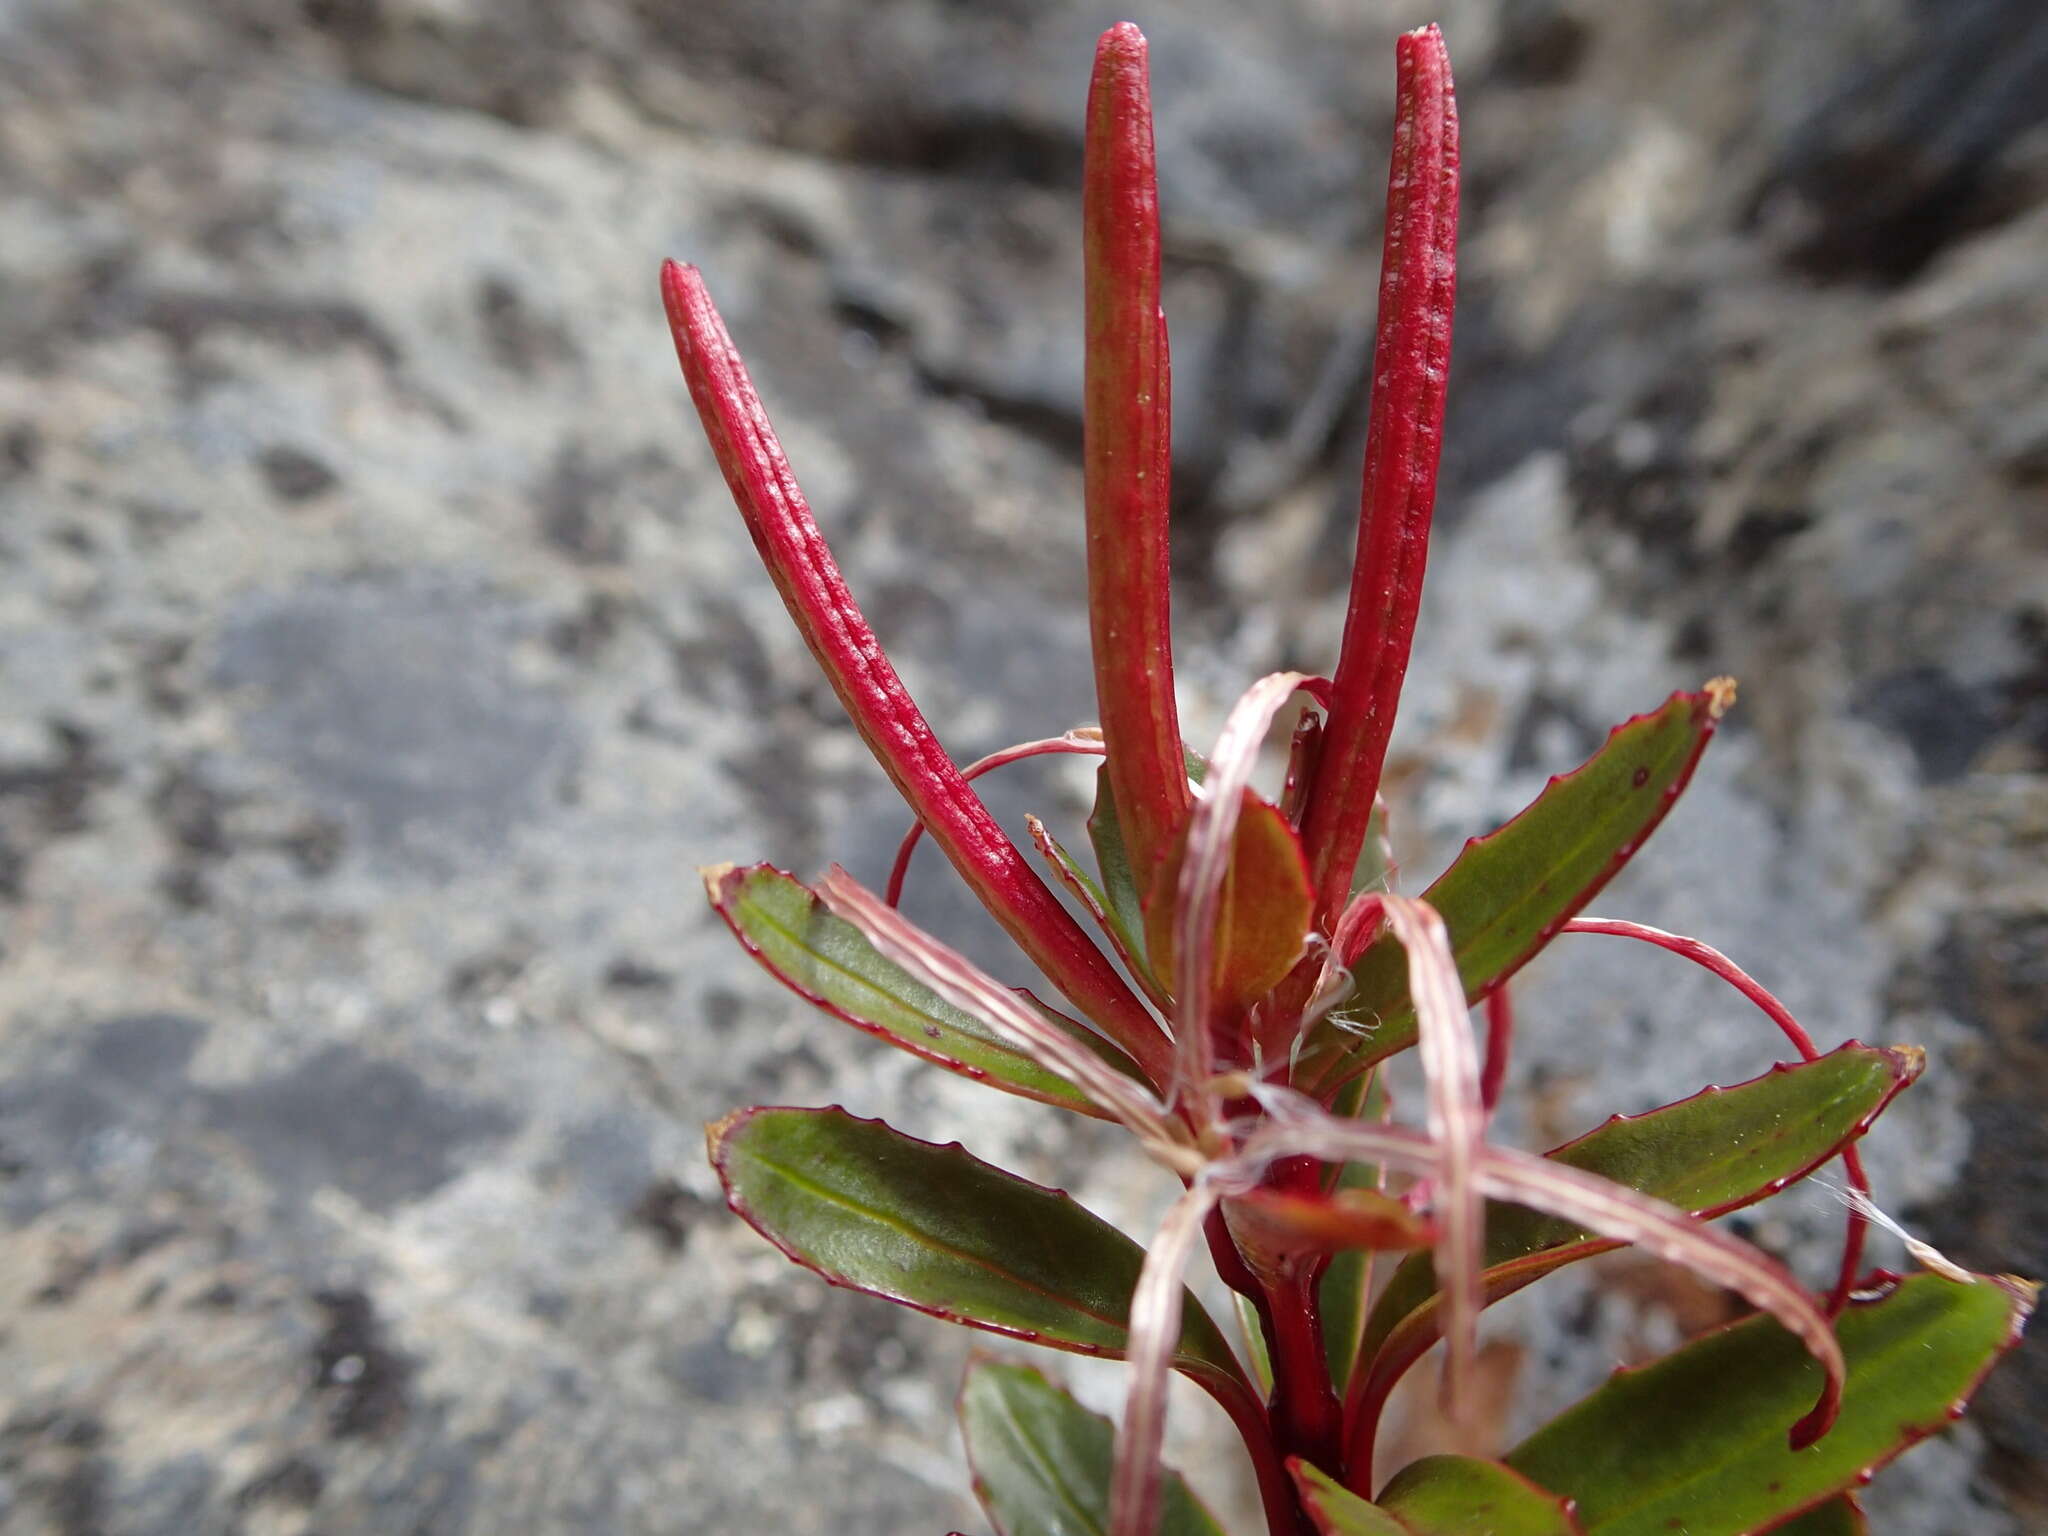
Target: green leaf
x,y
1123,899
1710,1154
1375,868
1335,1509
1262,916
1436,1496
1252,1333
1347,1281
1083,888
937,1229
1510,891
1696,1441
1462,1495
1840,1516
827,962
1042,1462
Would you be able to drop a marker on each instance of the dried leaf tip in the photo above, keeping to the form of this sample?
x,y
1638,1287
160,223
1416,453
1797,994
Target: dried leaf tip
x,y
1720,692
713,876
1912,1060
715,1131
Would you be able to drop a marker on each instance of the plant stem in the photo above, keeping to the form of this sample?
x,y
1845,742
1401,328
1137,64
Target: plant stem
x,y
1500,1038
1280,1315
1307,1420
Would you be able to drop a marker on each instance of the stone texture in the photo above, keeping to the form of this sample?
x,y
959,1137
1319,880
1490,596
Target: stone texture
x,y
382,655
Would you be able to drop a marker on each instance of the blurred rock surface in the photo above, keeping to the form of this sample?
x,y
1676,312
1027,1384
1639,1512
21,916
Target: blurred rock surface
x,y
381,656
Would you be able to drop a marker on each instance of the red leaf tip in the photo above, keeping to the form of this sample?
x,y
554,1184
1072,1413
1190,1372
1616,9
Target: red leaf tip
x,y
678,280
1124,38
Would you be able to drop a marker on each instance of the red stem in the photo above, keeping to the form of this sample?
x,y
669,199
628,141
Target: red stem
x,y
1253,1419
1307,1418
1404,433
1051,745
1301,765
1364,1404
1127,452
1857,1232
833,626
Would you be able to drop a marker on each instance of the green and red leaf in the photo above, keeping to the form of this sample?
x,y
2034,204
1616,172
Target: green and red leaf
x,y
1509,892
1458,1495
937,1229
1335,1510
826,961
1710,1154
1693,1441
1438,1496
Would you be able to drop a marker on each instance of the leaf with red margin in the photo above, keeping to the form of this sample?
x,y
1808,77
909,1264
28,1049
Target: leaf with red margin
x,y
1508,893
937,1229
1693,1441
1713,1153
1335,1510
825,960
1041,1461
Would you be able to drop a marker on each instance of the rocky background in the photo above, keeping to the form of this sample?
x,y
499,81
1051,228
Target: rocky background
x,y
381,656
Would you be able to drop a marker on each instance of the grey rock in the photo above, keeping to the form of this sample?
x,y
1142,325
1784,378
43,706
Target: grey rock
x,y
382,655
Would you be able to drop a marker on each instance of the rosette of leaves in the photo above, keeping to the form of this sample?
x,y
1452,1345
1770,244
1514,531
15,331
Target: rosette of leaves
x,y
1252,969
